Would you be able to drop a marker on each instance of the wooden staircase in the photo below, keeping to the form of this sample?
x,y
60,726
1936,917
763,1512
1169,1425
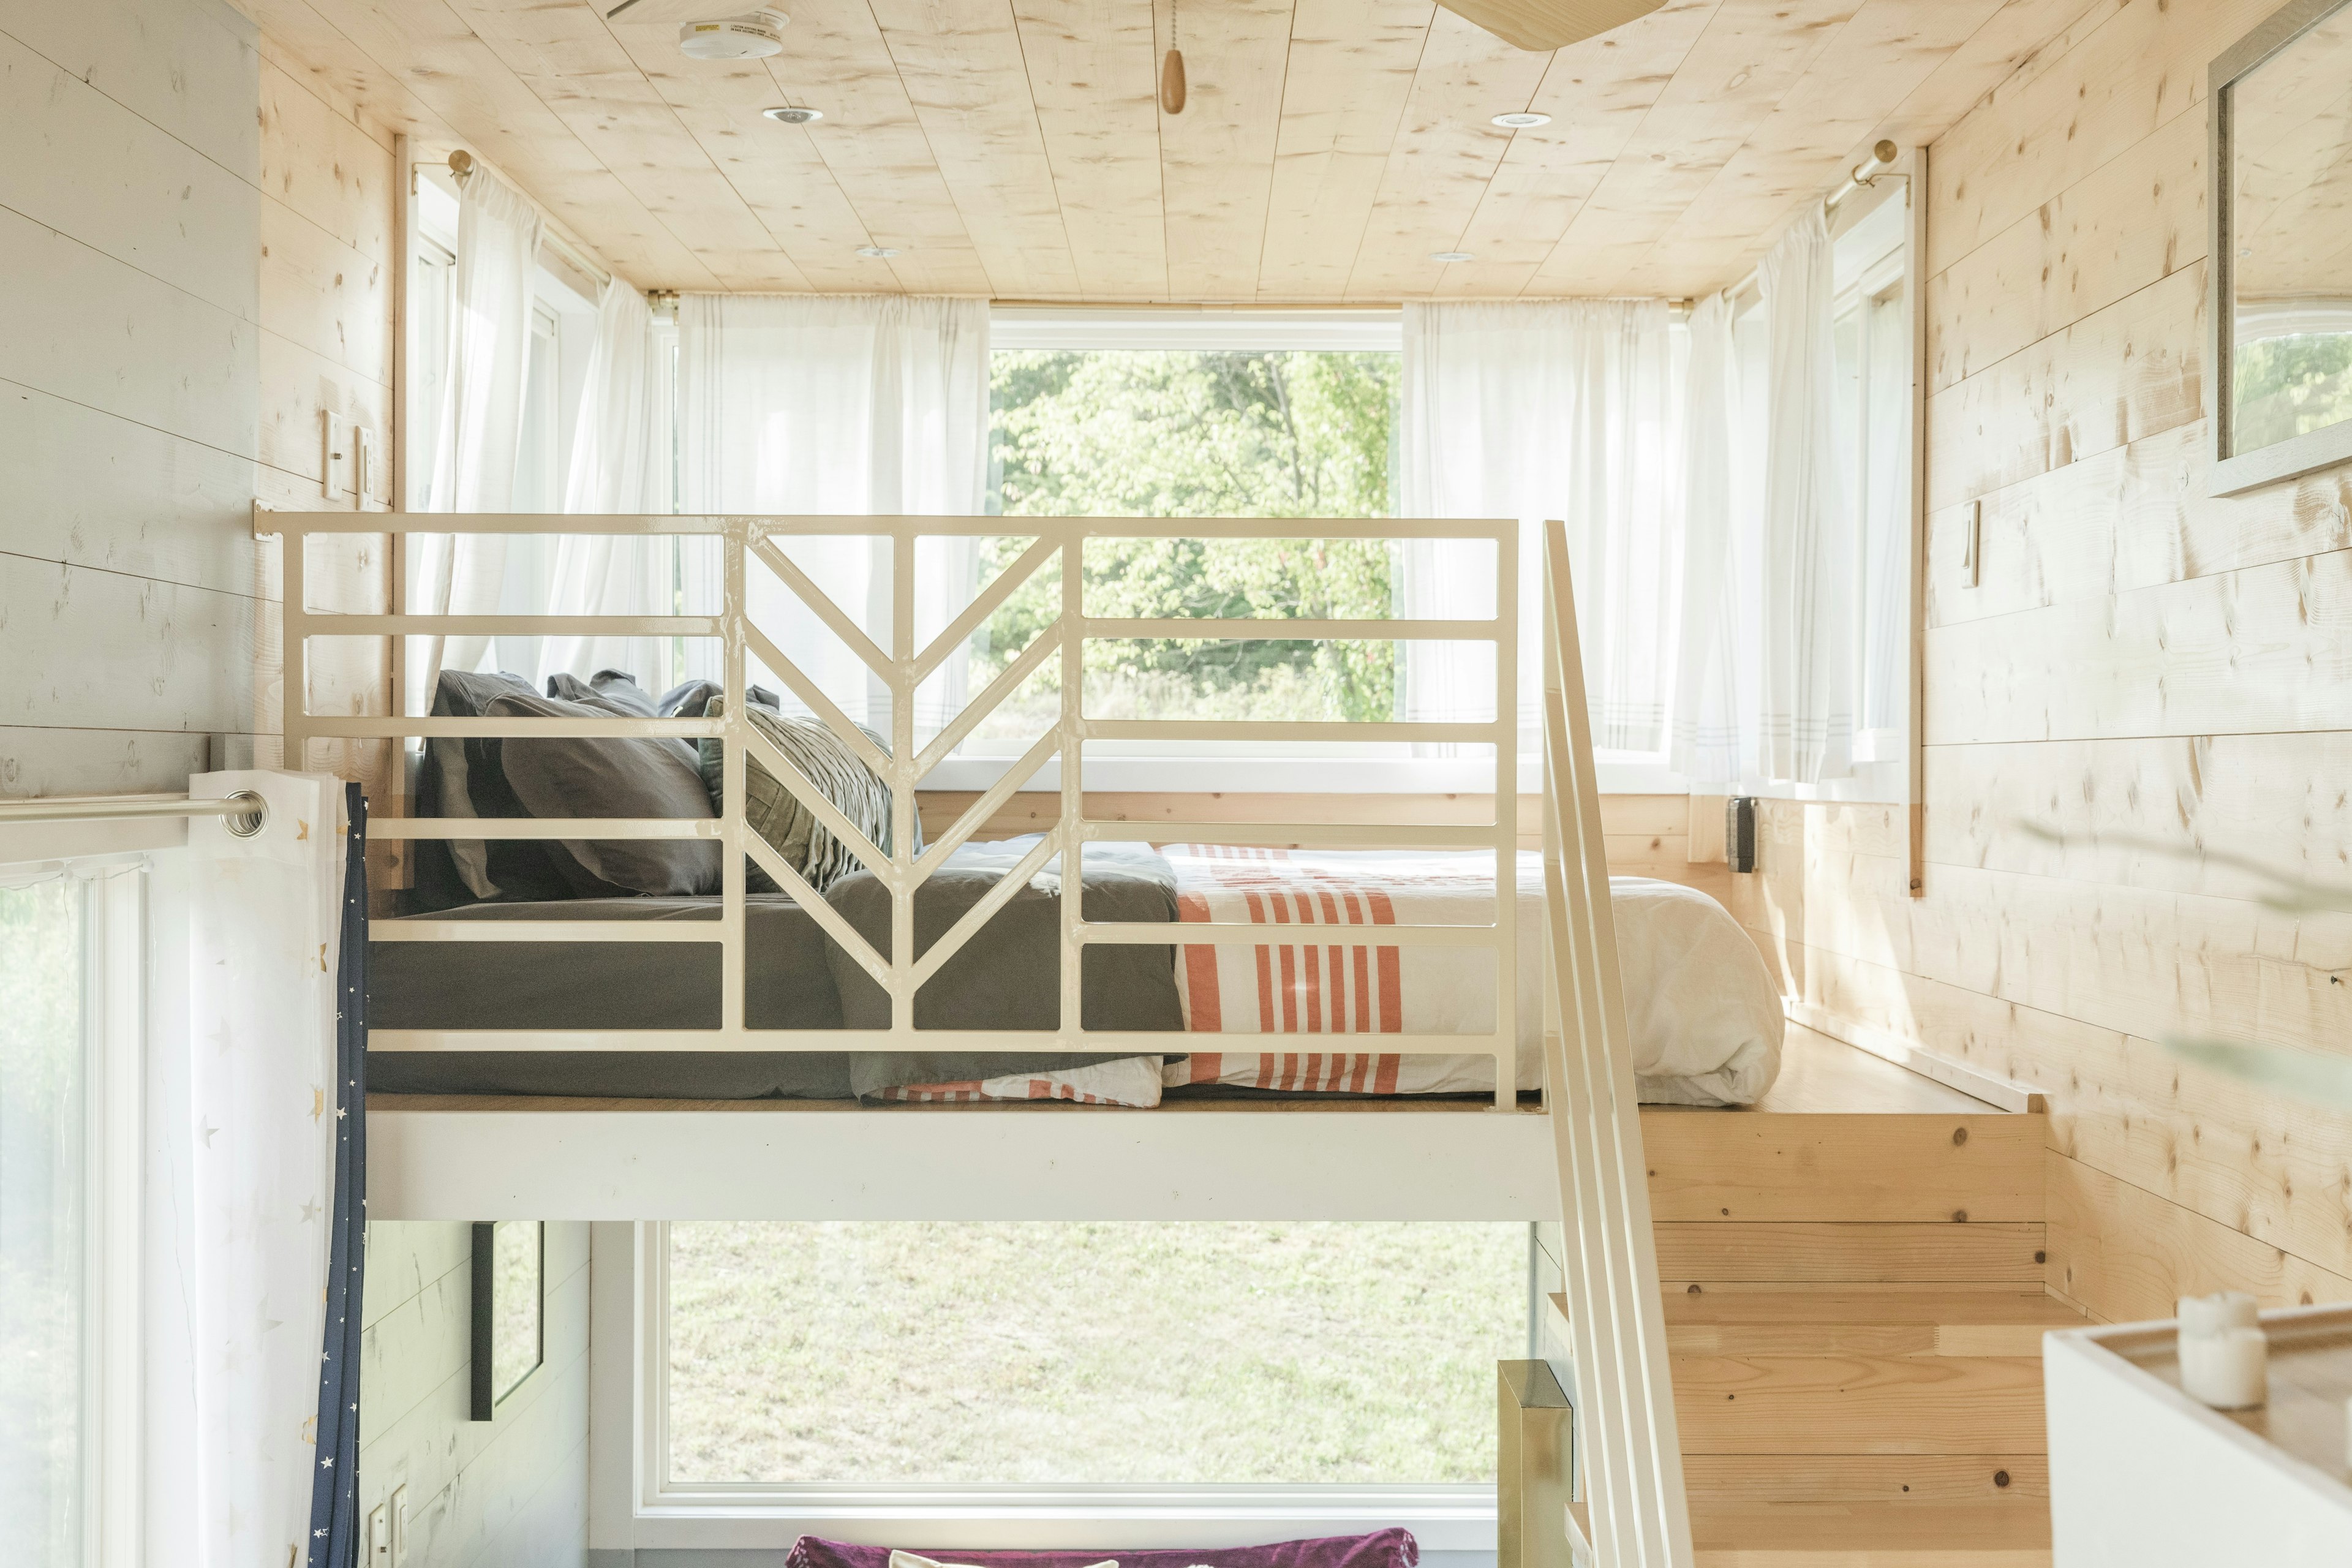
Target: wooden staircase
x,y
1853,1276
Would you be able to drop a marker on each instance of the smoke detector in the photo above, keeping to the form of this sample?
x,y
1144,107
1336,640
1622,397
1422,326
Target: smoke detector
x,y
746,37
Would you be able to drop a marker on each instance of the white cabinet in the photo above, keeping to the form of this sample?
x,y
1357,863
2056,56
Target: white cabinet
x,y
2141,1476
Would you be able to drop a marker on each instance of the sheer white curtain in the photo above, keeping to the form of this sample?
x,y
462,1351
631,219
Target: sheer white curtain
x,y
1806,652
1563,409
481,421
1708,746
621,449
839,406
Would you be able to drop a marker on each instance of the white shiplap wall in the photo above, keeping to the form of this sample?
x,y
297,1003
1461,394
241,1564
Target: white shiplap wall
x,y
511,1492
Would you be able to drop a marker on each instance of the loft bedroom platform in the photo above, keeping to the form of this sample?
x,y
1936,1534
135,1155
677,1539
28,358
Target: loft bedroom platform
x,y
1837,1121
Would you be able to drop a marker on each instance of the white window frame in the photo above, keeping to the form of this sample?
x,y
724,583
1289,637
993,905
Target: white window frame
x,y
113,1095
633,1507
1293,767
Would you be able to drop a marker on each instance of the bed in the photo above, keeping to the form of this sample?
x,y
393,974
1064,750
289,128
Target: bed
x,y
1706,1020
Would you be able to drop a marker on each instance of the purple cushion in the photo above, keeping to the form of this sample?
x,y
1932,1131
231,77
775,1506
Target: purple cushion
x,y
1380,1549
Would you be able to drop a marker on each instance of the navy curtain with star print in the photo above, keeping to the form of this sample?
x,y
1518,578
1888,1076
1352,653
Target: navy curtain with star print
x,y
334,1488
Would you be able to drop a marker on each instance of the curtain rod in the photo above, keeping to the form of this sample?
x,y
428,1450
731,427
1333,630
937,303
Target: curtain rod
x,y
246,811
461,166
1879,165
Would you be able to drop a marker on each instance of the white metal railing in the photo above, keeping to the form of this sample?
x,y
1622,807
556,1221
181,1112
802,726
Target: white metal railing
x,y
902,764
1632,1452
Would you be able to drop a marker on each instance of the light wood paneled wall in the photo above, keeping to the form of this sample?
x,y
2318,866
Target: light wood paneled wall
x,y
200,247
2156,675
510,1491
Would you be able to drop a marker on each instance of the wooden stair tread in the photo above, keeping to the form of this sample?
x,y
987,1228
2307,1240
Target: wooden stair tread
x,y
2009,1305
1871,1535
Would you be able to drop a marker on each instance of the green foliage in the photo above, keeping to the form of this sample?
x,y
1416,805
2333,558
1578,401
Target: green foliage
x,y
1281,435
2290,385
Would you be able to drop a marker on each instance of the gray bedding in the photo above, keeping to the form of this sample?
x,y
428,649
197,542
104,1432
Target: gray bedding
x,y
1006,977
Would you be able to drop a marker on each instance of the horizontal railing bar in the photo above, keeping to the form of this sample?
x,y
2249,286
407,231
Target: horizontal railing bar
x,y
418,929
471,827
1267,629
267,522
1239,933
330,624
1138,1042
1364,835
1262,730
387,729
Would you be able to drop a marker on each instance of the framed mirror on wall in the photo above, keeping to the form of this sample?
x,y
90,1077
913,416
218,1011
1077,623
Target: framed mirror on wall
x,y
510,1322
2278,394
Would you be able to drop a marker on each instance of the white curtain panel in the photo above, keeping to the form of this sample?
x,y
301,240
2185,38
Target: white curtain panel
x,y
1560,409
852,405
620,463
1707,746
1805,661
239,1256
489,359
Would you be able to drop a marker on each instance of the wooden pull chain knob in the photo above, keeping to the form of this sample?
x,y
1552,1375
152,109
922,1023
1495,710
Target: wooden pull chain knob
x,y
1172,82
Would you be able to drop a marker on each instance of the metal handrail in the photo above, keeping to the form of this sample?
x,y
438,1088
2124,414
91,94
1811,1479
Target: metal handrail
x,y
247,813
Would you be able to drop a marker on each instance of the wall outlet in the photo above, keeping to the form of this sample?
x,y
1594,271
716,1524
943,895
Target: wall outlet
x,y
378,1537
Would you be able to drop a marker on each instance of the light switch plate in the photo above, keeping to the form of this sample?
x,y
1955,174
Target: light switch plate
x,y
399,1506
1973,546
378,1537
365,477
336,446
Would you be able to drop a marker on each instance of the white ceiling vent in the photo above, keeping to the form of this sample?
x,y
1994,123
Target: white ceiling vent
x,y
747,38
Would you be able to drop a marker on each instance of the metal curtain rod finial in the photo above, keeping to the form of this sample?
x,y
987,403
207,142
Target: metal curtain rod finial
x,y
244,812
1879,165
461,165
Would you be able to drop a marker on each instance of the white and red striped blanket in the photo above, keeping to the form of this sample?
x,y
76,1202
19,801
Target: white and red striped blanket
x,y
1317,978
1704,1016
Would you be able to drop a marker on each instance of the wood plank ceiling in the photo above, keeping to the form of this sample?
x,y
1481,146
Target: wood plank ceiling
x,y
1015,148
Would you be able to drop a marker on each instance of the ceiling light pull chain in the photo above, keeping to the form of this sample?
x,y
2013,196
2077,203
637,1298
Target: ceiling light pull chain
x,y
1172,69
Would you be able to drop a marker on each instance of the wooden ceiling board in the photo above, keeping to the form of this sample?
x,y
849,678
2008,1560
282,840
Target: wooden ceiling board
x,y
1217,157
1445,151
1015,148
775,169
873,142
568,58
1094,74
962,66
1352,70
1598,93
1750,55
1817,132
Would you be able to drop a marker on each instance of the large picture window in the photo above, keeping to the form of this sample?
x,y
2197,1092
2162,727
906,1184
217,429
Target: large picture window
x,y
813,1365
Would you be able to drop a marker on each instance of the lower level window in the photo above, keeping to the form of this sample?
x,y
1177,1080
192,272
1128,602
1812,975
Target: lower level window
x,y
1067,1352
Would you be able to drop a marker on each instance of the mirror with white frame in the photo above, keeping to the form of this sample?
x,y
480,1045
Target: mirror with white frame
x,y
2280,392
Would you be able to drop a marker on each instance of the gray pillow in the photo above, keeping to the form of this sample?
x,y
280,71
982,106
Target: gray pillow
x,y
613,684
464,777
632,776
776,815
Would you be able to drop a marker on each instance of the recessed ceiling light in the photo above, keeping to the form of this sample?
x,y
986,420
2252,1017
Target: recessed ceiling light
x,y
1451,255
789,115
878,252
1521,121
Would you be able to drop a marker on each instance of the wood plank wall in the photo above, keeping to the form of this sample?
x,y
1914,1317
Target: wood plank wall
x,y
198,248
511,1491
2159,675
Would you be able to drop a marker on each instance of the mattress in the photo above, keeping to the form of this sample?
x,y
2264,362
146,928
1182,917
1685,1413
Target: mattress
x,y
1704,1019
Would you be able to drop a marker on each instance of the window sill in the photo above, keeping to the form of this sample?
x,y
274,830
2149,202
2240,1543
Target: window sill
x,y
1443,1518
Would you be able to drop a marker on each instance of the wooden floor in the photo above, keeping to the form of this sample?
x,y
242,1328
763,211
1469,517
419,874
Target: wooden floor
x,y
1817,1074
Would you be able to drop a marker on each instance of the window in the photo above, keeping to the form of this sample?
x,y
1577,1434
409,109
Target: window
x,y
809,1365
71,962
1870,417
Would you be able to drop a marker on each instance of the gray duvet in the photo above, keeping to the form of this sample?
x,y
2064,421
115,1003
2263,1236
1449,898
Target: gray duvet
x,y
1007,977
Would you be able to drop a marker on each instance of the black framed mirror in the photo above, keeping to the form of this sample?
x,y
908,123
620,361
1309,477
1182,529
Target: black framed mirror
x,y
510,1280
2278,391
